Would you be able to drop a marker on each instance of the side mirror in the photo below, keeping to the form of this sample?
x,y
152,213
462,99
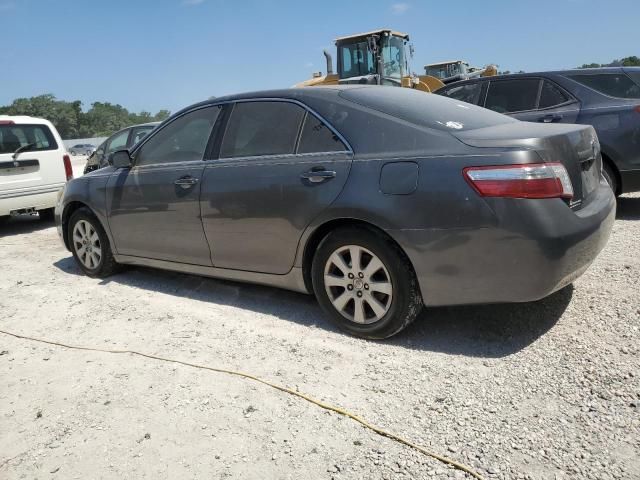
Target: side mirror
x,y
120,159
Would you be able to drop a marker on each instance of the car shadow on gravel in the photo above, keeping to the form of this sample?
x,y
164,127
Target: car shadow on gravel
x,y
491,331
22,224
479,331
628,208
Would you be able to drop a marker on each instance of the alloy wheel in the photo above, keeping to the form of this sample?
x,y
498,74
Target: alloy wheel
x,y
358,284
86,243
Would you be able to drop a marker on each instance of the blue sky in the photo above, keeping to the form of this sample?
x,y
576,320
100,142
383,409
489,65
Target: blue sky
x,y
148,55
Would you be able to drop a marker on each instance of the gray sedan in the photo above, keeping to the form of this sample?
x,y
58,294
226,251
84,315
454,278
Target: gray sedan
x,y
378,200
82,149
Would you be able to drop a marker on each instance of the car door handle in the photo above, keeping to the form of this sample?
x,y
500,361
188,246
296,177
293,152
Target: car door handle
x,y
318,176
186,182
550,118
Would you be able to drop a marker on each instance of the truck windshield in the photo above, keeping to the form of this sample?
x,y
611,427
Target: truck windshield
x,y
356,60
393,57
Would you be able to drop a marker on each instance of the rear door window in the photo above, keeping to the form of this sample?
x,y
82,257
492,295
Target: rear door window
x,y
13,136
469,92
262,128
509,96
317,137
612,84
551,95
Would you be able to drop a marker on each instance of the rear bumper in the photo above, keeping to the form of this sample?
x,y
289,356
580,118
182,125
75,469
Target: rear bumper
x,y
536,248
36,201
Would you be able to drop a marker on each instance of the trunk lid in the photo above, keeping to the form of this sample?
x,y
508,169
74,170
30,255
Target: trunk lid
x,y
575,146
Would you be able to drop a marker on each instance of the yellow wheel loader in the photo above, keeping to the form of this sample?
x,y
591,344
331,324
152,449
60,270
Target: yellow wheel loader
x,y
456,70
378,57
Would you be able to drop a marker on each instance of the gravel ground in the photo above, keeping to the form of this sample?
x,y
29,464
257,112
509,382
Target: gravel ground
x,y
544,390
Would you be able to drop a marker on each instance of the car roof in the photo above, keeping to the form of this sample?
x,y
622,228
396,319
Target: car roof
x,y
575,71
329,92
18,119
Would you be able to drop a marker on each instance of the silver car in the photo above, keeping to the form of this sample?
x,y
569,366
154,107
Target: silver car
x,y
82,149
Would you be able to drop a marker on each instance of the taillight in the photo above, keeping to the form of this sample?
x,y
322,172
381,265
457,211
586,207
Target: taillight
x,y
6,122
68,170
537,180
637,109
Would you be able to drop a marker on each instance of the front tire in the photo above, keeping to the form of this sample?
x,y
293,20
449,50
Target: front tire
x,y
90,245
365,283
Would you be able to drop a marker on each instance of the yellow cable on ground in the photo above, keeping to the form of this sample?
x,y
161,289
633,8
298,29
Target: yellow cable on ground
x,y
319,403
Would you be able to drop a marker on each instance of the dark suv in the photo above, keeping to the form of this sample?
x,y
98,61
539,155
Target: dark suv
x,y
607,98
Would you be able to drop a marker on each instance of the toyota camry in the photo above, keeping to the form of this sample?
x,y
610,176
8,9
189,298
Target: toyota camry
x,y
377,200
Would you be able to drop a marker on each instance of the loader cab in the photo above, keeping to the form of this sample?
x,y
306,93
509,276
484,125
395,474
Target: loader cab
x,y
448,71
376,58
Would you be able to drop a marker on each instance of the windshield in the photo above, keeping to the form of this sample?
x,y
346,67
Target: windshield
x,y
393,57
357,60
38,137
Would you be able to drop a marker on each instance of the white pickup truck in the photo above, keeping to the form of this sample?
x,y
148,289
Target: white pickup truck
x,y
34,165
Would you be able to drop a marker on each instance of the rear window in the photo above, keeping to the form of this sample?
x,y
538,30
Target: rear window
x,y
612,84
38,137
423,109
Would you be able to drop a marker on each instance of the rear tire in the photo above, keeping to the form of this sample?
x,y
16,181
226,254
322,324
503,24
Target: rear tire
x,y
610,177
90,245
46,215
365,283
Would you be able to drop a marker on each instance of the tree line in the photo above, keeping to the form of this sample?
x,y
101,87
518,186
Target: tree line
x,y
101,120
631,61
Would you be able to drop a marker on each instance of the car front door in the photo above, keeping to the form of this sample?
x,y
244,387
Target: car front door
x,y
153,207
279,166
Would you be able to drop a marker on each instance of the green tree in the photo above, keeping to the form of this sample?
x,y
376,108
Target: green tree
x,y
101,120
632,61
590,65
66,116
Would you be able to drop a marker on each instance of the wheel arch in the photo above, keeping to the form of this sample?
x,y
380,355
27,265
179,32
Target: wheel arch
x,y
606,159
322,230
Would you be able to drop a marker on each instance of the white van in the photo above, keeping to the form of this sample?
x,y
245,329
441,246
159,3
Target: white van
x,y
34,165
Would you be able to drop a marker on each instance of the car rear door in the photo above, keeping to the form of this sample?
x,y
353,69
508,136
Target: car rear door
x,y
37,169
532,99
154,207
279,166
